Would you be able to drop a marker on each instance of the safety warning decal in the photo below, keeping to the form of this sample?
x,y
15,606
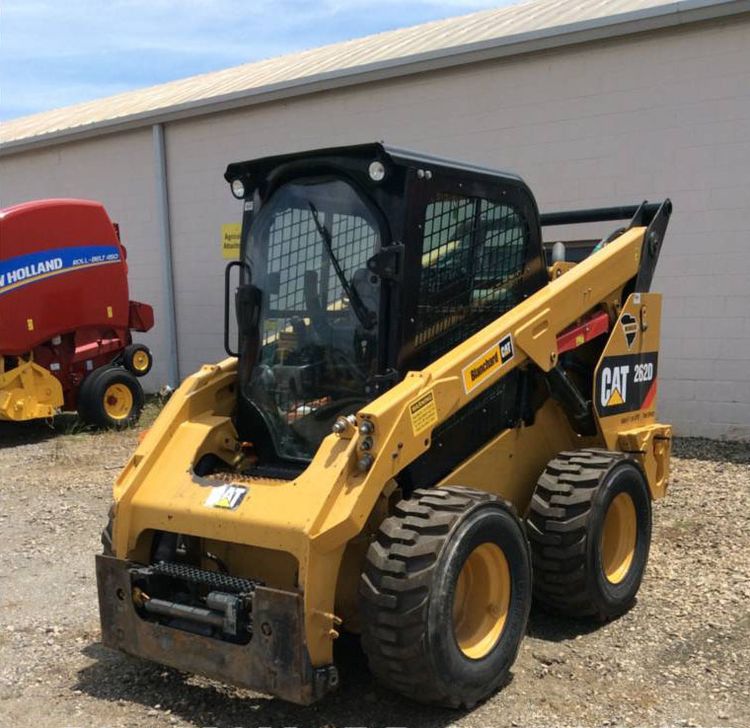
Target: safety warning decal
x,y
423,413
626,383
484,366
629,328
225,496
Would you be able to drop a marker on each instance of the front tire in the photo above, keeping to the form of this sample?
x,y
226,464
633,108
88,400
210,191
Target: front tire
x,y
445,596
589,526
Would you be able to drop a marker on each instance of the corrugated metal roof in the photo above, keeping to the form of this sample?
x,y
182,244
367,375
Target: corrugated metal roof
x,y
490,33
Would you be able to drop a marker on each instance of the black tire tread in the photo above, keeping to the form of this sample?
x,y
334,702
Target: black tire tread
x,y
394,588
556,526
90,408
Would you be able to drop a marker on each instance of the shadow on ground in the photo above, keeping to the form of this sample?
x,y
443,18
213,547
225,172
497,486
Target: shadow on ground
x,y
358,702
33,432
553,628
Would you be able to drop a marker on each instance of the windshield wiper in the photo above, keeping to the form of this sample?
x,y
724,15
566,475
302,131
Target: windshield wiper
x,y
365,316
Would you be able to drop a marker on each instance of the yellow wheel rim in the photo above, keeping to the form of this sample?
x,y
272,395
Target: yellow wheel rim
x,y
141,360
481,601
118,401
619,538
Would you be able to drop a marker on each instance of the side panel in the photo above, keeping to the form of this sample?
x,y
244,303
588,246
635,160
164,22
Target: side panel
x,y
510,464
625,390
626,376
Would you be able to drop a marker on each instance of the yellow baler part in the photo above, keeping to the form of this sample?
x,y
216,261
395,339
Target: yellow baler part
x,y
28,392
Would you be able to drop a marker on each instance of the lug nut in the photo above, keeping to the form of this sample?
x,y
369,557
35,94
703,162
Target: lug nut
x,y
365,462
366,444
340,425
366,428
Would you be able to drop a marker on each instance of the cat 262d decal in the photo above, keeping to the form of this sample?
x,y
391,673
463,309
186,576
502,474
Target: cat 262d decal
x,y
625,383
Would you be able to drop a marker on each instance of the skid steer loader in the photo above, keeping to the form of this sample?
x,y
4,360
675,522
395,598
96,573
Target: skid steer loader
x,y
426,418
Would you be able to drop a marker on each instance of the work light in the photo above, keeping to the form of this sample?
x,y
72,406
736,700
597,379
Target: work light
x,y
238,189
377,171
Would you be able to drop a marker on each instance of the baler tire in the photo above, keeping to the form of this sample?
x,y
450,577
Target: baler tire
x,y
426,633
137,359
104,386
86,400
576,571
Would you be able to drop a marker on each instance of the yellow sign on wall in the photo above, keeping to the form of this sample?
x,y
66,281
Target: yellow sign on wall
x,y
230,240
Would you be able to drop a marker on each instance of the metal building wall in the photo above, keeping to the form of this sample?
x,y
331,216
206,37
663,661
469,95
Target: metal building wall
x,y
119,171
654,115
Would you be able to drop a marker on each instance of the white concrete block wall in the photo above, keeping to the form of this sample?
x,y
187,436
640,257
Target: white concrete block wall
x,y
119,172
653,115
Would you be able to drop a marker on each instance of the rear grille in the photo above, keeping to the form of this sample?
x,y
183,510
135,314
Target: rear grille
x,y
215,580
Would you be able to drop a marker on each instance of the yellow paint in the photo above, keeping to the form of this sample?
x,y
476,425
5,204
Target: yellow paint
x,y
141,360
230,240
30,324
118,401
297,532
28,391
110,313
509,463
481,601
651,446
618,539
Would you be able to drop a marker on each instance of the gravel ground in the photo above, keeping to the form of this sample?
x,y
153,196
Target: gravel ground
x,y
680,657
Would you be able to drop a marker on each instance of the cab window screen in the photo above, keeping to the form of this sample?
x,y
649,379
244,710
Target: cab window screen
x,y
473,254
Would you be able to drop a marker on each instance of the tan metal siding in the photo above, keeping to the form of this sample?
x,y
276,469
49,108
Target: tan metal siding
x,y
654,115
119,172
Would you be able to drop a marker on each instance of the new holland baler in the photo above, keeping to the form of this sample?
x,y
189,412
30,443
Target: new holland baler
x,y
66,316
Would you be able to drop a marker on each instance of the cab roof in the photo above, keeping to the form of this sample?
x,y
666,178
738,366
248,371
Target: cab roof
x,y
260,168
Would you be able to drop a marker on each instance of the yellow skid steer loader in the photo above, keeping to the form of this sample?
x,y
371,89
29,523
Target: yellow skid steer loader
x,y
427,417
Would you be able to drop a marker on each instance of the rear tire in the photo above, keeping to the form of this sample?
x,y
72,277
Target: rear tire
x,y
137,359
589,526
445,596
110,397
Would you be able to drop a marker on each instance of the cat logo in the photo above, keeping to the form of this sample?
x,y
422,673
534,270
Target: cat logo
x,y
629,328
225,496
614,385
506,349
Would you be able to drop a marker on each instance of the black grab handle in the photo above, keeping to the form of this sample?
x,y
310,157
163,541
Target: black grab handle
x,y
227,272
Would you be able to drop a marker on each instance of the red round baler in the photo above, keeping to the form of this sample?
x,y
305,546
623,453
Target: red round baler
x,y
66,316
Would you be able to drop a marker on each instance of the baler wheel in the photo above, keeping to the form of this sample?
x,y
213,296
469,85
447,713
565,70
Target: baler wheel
x,y
445,596
589,525
137,359
110,397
